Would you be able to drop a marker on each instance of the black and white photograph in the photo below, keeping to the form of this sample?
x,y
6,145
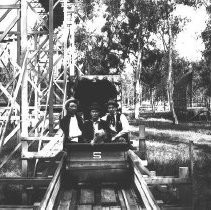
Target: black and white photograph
x,y
105,104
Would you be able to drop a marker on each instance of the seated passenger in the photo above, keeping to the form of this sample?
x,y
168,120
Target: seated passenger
x,y
71,123
118,123
96,130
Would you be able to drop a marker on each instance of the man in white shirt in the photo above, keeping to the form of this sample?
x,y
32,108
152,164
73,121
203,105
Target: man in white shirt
x,y
118,123
72,123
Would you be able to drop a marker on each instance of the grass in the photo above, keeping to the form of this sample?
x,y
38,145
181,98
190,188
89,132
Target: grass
x,y
167,150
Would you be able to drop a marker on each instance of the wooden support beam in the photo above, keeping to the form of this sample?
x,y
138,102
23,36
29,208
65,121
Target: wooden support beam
x,y
171,207
5,14
166,181
10,82
26,181
11,25
24,86
16,207
39,138
7,94
10,6
12,133
13,101
41,19
142,187
51,47
137,162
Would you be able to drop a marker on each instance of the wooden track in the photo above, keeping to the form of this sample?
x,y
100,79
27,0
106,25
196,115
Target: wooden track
x,y
104,196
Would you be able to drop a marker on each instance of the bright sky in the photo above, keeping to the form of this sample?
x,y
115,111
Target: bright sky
x,y
189,43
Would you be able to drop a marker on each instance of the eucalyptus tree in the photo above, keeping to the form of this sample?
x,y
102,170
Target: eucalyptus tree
x,y
205,72
129,29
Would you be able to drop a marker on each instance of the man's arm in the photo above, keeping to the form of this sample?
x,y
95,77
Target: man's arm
x,y
125,126
62,122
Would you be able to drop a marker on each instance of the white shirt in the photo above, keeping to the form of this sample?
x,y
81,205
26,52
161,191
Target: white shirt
x,y
95,125
74,130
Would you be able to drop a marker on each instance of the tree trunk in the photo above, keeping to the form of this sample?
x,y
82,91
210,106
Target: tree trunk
x,y
137,86
170,87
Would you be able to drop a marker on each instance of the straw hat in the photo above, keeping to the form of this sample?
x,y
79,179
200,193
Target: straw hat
x,y
112,102
70,100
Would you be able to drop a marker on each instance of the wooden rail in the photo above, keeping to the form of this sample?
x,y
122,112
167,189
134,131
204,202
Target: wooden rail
x,y
147,197
53,189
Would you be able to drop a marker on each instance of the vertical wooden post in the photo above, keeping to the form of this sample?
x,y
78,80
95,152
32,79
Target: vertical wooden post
x,y
72,42
191,155
65,53
191,158
18,62
24,87
36,82
183,172
142,142
24,90
51,65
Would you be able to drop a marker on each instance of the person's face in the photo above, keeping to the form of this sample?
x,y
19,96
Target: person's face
x,y
72,108
112,109
94,114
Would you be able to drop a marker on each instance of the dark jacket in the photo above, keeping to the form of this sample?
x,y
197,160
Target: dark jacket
x,y
65,122
118,124
88,130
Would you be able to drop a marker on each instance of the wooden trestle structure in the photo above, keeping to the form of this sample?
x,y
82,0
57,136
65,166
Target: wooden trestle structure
x,y
52,178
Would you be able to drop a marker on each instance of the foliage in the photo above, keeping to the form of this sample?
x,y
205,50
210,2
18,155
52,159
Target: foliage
x,y
95,55
205,72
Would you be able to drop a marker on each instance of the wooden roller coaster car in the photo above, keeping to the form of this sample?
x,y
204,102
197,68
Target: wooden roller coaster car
x,y
103,176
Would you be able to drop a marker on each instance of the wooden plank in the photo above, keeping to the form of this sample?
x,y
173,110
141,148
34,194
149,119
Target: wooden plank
x,y
51,67
73,203
10,26
144,186
9,207
7,94
121,200
10,6
67,195
130,199
136,161
114,207
142,194
108,195
125,199
97,207
12,133
86,156
95,165
176,208
84,207
64,205
38,138
40,18
105,207
54,194
26,181
13,100
52,188
87,196
160,181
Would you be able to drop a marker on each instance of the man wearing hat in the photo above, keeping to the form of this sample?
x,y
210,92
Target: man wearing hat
x,y
96,130
118,122
72,123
